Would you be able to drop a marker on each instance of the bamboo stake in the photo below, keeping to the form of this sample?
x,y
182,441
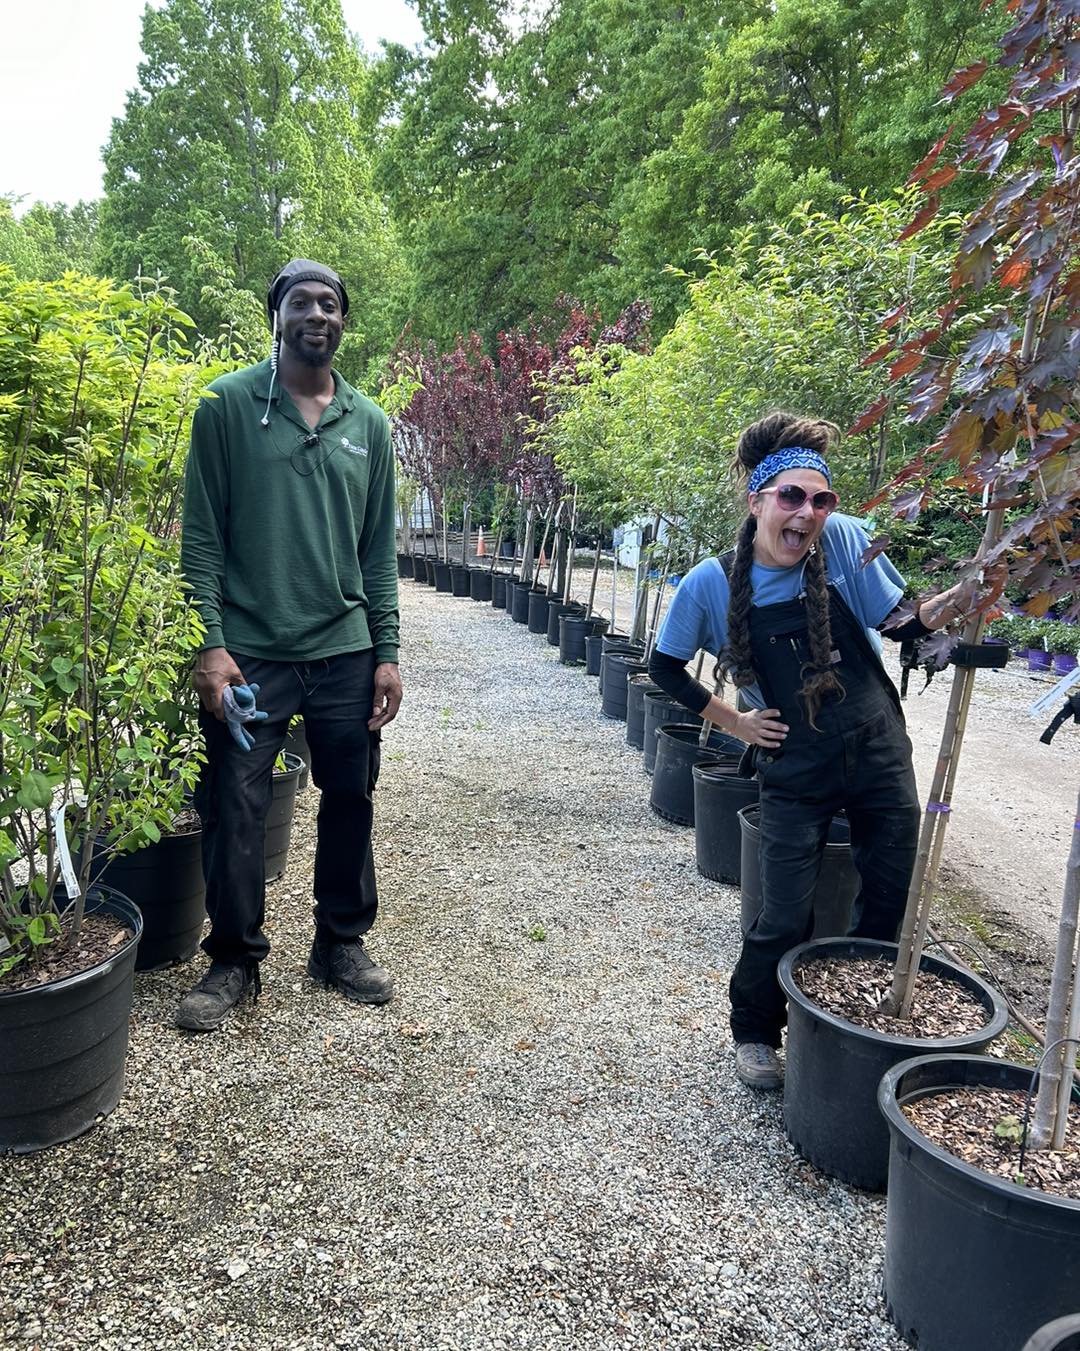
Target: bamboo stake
x,y
1049,1110
1061,1119
654,626
614,584
595,576
570,551
935,819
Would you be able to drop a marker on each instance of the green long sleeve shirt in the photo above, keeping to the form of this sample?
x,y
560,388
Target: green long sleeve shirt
x,y
289,549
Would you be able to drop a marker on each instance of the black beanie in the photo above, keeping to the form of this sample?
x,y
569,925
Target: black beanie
x,y
303,269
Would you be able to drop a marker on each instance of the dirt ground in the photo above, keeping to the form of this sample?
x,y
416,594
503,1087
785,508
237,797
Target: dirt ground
x,y
1014,801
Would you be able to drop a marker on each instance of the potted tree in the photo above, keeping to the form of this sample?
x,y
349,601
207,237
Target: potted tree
x,y
95,635
1007,437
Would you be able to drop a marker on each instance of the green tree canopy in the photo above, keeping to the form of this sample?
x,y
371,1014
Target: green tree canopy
x,y
247,141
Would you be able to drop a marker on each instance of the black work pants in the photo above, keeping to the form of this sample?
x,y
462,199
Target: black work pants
x,y
867,772
335,696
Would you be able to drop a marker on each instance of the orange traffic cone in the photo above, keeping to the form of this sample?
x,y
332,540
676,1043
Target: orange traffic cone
x,y
480,543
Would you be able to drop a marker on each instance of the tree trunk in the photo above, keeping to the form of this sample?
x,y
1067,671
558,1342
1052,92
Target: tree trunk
x,y
592,583
1062,986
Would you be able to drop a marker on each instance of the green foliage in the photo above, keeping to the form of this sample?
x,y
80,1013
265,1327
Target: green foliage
x,y
245,143
780,324
97,387
601,140
48,240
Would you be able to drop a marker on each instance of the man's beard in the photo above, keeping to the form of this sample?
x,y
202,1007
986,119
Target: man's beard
x,y
307,356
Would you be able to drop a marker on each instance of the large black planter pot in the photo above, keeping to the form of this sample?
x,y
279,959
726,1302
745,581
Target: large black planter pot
x,y
280,817
972,1262
611,643
594,652
1063,1334
459,580
480,584
405,565
165,881
62,1045
637,687
615,667
677,752
837,884
659,709
574,633
499,583
443,580
296,744
538,608
556,610
720,793
833,1068
519,607
429,570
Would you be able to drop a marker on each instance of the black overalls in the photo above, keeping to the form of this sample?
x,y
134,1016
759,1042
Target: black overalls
x,y
858,760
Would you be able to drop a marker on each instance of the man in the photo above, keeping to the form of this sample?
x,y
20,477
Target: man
x,y
288,548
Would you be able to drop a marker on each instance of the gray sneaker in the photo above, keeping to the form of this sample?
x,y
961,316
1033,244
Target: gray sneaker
x,y
758,1065
206,1007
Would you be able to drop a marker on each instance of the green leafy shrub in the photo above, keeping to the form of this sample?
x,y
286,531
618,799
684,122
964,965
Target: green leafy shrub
x,y
96,636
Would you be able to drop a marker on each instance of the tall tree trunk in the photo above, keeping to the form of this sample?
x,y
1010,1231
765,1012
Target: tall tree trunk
x,y
593,580
1062,987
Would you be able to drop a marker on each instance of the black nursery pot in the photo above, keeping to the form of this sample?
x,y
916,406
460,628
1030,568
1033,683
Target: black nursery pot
x,y
499,583
677,752
972,1262
574,633
556,609
296,744
1063,1334
62,1045
637,687
615,667
833,1068
659,709
429,570
279,818
480,584
165,881
594,652
519,609
837,884
459,580
443,581
538,608
720,793
405,565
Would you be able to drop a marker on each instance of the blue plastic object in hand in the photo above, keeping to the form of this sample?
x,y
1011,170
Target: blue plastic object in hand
x,y
238,702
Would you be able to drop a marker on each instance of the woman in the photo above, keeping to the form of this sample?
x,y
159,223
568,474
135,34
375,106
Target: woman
x,y
795,615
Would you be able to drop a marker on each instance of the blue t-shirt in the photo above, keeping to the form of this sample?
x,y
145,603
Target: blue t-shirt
x,y
698,614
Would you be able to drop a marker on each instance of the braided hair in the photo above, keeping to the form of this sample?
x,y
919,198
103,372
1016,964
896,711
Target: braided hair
x,y
778,431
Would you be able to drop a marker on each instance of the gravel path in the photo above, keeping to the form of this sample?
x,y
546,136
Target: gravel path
x,y
539,1144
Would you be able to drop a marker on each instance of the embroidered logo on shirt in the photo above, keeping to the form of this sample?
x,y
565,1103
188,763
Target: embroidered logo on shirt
x,y
346,444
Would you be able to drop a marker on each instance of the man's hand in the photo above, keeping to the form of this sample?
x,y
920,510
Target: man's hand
x,y
214,669
387,695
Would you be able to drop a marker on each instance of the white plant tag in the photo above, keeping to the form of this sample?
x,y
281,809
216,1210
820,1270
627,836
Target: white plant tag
x,y
1055,696
67,868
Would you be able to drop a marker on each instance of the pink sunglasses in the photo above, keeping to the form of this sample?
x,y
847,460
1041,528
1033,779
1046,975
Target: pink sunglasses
x,y
790,497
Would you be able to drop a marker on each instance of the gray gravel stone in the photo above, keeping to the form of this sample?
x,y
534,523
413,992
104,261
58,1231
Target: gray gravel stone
x,y
540,1143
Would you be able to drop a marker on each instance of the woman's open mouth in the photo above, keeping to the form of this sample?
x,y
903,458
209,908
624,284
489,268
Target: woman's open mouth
x,y
793,539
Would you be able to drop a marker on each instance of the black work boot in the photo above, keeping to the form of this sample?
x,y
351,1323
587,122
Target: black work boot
x,y
206,1007
348,968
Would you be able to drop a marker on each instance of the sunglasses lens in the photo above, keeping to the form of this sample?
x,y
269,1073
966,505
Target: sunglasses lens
x,y
790,495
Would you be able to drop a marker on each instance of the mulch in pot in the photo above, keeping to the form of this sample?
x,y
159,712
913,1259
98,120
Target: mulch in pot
x,y
853,990
982,1127
99,938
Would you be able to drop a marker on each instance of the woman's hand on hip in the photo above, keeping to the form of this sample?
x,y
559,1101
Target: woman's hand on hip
x,y
760,727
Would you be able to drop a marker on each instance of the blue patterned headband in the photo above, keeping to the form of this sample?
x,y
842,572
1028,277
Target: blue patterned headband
x,y
795,457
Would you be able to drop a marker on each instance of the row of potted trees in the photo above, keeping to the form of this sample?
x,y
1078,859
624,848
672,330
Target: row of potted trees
x,y
974,1258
